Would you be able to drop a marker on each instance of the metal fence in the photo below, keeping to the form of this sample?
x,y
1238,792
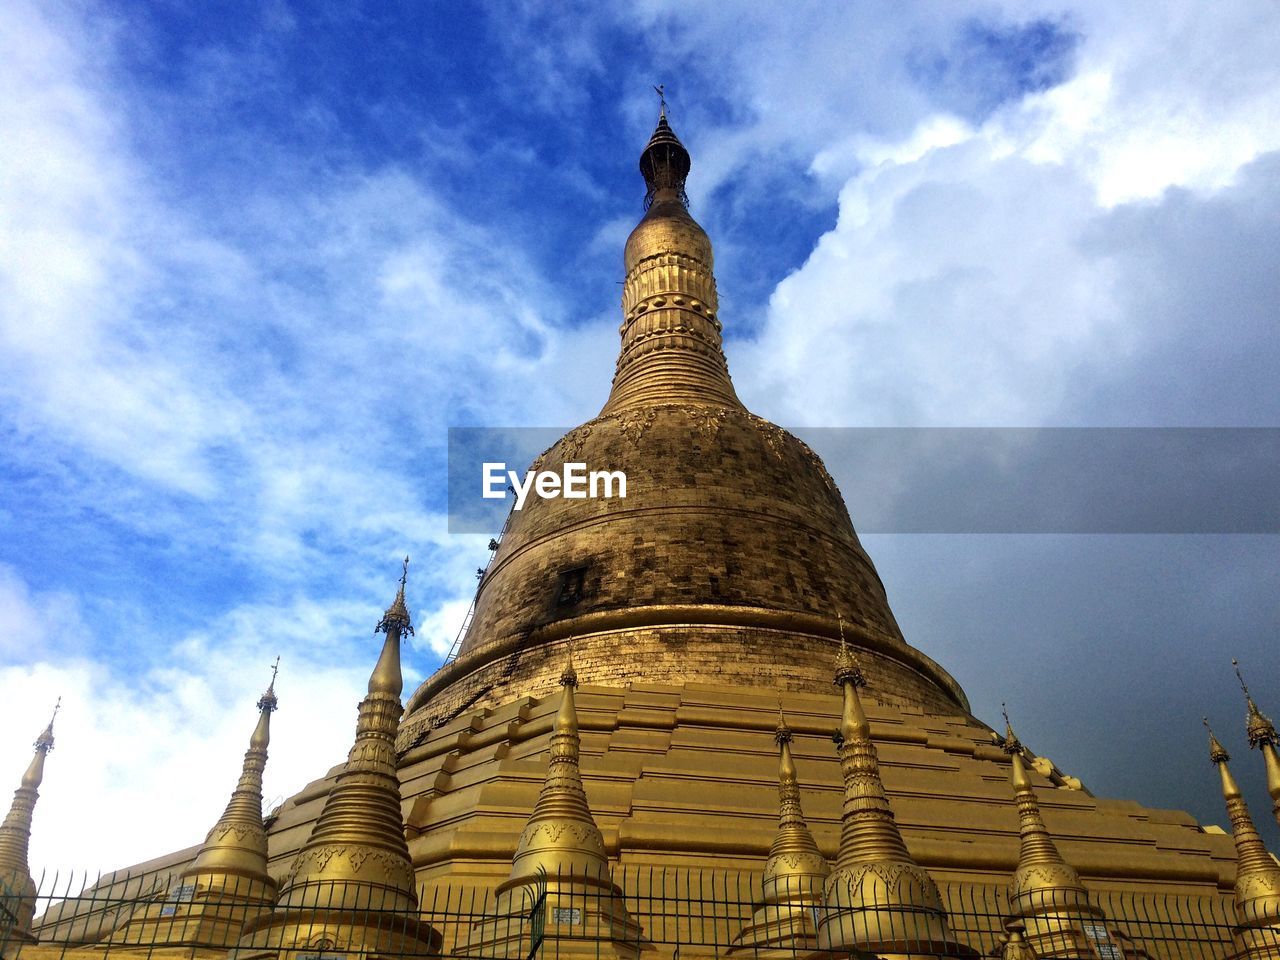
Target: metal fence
x,y
634,911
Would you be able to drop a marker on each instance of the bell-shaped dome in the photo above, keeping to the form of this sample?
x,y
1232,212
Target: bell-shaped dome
x,y
732,554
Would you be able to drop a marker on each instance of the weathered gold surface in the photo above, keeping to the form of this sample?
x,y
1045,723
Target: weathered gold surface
x,y
16,884
1257,886
351,887
732,531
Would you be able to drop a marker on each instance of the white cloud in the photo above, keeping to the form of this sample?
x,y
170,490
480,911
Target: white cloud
x,y
966,281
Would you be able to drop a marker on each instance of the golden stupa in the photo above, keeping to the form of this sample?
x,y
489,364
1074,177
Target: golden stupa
x,y
724,586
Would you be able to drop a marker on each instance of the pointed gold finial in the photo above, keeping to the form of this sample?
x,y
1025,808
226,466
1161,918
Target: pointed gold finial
x,y
662,100
1013,747
783,732
45,740
1010,744
1217,752
1258,726
268,702
397,615
877,896
387,677
15,836
569,676
1257,889
848,669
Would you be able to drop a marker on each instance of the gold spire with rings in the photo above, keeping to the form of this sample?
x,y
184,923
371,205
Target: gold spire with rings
x,y
227,885
672,350
17,888
782,922
1262,736
877,898
1256,934
351,888
1047,900
562,847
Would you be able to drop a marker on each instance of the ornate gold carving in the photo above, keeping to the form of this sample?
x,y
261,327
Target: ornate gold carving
x,y
635,422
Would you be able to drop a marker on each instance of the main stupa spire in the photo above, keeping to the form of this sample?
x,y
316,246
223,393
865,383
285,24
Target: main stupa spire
x,y
352,887
1257,902
671,344
1262,736
17,887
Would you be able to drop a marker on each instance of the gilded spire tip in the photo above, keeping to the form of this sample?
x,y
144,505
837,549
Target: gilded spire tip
x,y
397,615
1243,686
1217,752
44,742
569,676
847,668
665,162
662,100
268,700
1010,744
1258,726
783,732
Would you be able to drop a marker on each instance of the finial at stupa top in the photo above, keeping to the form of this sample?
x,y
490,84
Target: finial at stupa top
x,y
782,734
665,162
44,742
397,615
268,702
1010,744
569,676
1217,752
386,677
1258,726
847,667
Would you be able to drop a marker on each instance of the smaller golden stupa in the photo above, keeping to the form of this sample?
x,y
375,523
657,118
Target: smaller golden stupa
x,y
351,887
1050,910
877,899
17,887
560,854
783,922
1256,935
227,885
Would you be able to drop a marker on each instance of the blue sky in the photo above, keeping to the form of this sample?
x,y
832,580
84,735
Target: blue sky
x,y
255,262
